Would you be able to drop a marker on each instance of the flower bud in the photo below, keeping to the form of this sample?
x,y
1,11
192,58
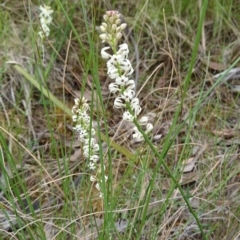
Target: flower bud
x,y
103,36
103,29
111,19
114,27
105,17
104,25
123,26
118,21
119,35
112,13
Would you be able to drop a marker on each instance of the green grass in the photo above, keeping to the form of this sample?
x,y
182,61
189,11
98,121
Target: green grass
x,y
45,192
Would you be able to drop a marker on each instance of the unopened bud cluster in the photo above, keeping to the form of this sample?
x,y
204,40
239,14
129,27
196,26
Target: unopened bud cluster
x,y
112,28
120,70
86,136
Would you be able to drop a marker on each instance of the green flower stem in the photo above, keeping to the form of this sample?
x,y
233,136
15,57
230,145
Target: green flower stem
x,y
67,110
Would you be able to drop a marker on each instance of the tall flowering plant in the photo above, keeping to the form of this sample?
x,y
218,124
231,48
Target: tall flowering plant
x,y
120,71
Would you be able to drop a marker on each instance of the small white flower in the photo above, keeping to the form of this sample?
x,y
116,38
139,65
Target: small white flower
x,y
149,128
130,85
92,166
113,88
135,101
128,95
97,186
123,50
93,178
78,128
135,106
122,80
93,132
86,119
128,116
82,135
74,118
143,120
119,103
115,60
86,151
85,107
113,72
94,145
126,67
94,158
137,135
95,148
46,11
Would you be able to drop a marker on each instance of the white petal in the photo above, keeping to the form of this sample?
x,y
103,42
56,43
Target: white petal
x,y
104,54
130,84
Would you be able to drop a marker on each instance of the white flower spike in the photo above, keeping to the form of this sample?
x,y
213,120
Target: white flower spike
x,y
119,69
89,144
45,20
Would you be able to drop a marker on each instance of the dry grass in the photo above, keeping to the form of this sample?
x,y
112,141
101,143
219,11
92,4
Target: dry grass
x,y
47,188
